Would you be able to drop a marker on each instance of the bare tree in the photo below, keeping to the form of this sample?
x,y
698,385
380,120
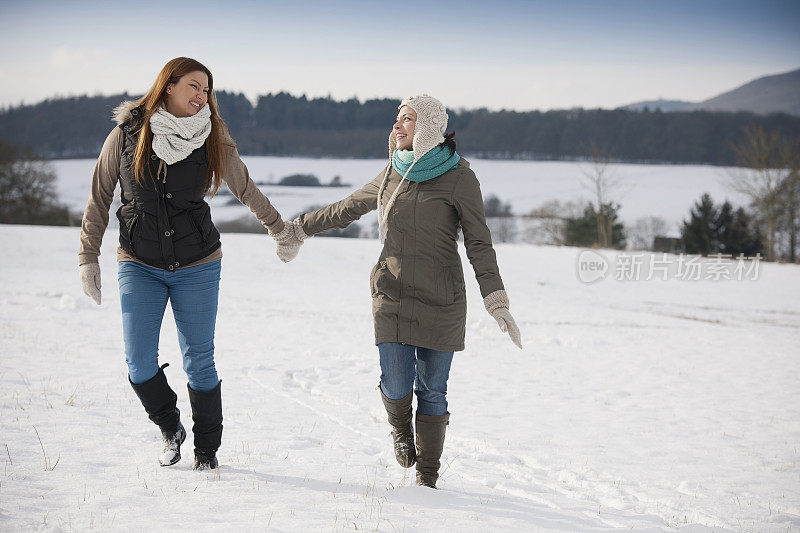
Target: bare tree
x,y
789,214
765,160
599,179
644,231
545,224
499,219
28,189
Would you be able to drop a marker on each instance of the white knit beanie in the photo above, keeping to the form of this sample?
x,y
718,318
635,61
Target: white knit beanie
x,y
428,134
430,127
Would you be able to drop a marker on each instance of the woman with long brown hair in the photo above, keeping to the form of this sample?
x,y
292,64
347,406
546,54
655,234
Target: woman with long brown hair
x,y
168,150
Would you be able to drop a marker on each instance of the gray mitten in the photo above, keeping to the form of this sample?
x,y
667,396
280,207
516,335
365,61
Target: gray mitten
x,y
90,280
497,304
288,241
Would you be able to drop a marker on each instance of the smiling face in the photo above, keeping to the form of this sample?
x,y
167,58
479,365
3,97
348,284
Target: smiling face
x,y
188,95
404,128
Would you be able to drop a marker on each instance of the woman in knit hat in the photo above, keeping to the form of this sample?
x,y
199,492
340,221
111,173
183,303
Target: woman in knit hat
x,y
168,150
424,196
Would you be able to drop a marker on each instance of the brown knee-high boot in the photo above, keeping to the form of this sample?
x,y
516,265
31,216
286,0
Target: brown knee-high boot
x,y
399,413
430,443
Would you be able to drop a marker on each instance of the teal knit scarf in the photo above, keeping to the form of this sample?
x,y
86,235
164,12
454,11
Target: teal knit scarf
x,y
431,165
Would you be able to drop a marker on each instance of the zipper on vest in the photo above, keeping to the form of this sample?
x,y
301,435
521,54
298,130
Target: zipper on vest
x,y
131,230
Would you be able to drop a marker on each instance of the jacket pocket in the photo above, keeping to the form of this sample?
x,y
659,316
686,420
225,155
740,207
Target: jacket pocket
x,y
130,230
445,288
197,218
457,289
449,285
374,275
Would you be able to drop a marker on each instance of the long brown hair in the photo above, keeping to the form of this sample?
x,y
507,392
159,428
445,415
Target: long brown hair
x,y
174,70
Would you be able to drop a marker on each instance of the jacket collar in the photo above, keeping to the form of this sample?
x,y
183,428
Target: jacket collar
x,y
128,111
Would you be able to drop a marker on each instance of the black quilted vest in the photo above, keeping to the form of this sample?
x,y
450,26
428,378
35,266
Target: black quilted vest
x,y
164,223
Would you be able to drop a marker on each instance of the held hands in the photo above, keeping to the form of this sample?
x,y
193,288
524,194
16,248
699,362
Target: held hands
x,y
289,240
90,281
497,304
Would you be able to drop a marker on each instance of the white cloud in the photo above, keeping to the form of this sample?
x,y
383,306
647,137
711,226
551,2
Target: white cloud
x,y
69,57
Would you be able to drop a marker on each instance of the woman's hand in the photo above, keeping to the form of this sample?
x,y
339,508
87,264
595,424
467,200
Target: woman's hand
x,y
90,280
497,304
289,240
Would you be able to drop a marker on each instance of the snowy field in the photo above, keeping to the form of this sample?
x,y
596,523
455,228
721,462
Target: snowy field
x,y
635,405
666,191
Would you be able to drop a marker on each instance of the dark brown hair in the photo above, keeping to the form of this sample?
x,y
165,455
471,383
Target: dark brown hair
x,y
450,141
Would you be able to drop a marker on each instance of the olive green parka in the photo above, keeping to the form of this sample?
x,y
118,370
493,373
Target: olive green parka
x,y
418,293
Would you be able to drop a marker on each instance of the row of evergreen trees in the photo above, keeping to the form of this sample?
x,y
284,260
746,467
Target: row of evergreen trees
x,y
710,228
282,124
582,230
715,229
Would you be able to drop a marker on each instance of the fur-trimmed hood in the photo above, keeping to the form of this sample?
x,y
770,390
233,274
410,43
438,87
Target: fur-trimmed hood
x,y
122,113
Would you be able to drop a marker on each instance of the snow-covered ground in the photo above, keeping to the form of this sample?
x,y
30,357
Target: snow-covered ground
x,y
643,405
666,191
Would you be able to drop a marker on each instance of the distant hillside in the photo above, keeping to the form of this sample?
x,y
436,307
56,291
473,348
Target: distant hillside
x,y
283,124
660,104
771,94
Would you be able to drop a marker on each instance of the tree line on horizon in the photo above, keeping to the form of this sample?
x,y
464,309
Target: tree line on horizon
x,y
767,174
283,124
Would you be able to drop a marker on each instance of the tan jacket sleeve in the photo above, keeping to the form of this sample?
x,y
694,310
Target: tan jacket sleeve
x,y
468,201
104,181
237,177
340,214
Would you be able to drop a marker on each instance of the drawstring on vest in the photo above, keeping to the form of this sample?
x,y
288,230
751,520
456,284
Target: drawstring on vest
x,y
162,166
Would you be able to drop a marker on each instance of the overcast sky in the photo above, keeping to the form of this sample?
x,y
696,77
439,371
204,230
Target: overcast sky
x,y
499,54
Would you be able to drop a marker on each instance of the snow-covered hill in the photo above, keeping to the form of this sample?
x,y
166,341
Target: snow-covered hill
x,y
644,405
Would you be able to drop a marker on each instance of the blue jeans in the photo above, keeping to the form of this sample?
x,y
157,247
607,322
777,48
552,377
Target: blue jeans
x,y
404,366
193,293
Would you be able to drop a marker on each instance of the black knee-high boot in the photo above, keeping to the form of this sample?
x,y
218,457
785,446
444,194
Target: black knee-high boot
x,y
160,403
207,429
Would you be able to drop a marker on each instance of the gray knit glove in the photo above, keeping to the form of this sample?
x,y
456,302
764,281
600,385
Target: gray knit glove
x,y
90,280
497,304
289,240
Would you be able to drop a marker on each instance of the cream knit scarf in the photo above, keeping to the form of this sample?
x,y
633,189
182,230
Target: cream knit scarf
x,y
175,138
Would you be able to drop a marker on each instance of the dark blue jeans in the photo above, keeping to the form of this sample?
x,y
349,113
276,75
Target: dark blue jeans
x,y
193,293
404,367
